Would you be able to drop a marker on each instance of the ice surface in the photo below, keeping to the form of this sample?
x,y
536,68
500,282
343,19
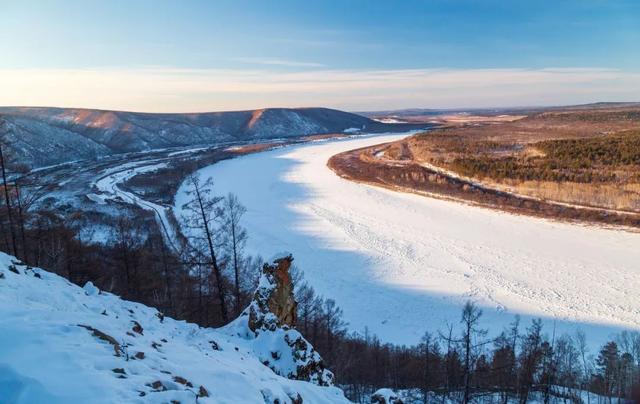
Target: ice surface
x,y
401,264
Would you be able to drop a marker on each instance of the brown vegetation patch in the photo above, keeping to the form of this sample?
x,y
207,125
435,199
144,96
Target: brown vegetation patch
x,y
411,177
579,164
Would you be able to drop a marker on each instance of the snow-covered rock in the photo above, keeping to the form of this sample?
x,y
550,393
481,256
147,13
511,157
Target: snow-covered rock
x,y
60,343
385,396
267,325
90,289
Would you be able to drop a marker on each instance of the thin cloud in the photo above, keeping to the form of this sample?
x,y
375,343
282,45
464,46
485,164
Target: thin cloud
x,y
190,90
277,62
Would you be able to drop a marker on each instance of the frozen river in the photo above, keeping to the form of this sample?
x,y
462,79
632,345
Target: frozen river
x,y
402,264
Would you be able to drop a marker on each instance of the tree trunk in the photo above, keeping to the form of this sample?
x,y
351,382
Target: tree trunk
x,y
214,261
235,266
25,248
467,364
167,280
8,203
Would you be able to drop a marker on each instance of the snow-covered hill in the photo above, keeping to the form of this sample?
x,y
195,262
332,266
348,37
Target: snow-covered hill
x,y
60,343
45,136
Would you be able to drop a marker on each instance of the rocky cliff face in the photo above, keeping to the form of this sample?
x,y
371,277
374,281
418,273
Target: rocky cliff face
x,y
269,322
273,304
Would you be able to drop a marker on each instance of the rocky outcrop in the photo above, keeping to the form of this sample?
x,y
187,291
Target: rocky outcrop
x,y
270,320
273,303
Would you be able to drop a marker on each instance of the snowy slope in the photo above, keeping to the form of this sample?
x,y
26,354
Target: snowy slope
x,y
402,264
60,343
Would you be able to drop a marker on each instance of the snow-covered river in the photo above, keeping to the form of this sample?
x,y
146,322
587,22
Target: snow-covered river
x,y
402,264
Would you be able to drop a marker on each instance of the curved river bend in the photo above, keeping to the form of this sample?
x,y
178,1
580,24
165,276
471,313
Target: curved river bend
x,y
402,264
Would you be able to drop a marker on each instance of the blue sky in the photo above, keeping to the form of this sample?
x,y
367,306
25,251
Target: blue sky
x,y
58,53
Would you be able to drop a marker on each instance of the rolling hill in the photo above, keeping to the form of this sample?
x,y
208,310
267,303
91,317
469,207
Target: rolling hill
x,y
37,137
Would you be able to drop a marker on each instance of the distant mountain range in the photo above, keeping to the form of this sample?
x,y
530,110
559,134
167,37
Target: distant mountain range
x,y
408,112
37,137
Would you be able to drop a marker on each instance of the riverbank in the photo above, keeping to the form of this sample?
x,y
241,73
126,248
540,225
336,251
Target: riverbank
x,y
372,165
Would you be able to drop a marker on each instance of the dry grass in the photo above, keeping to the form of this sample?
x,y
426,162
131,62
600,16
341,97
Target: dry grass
x,y
588,157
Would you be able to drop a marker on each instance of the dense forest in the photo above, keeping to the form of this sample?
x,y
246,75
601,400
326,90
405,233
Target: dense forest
x,y
210,279
593,160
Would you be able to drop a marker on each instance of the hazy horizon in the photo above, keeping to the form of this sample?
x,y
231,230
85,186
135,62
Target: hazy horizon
x,y
453,109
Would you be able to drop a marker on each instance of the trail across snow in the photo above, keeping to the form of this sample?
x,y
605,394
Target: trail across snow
x,y
402,264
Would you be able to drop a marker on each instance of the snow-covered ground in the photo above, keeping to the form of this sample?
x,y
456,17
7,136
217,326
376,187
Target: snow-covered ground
x,y
60,343
402,264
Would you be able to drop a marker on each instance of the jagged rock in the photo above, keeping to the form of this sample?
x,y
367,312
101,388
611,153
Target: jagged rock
x,y
270,320
273,303
183,381
157,385
385,396
202,392
137,327
297,399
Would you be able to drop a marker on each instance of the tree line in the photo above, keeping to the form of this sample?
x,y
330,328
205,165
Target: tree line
x,y
601,159
461,364
208,279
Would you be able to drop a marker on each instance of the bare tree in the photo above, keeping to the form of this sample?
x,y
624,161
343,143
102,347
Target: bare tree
x,y
27,192
470,316
530,358
128,245
450,358
236,237
334,325
203,210
583,349
7,200
549,366
430,351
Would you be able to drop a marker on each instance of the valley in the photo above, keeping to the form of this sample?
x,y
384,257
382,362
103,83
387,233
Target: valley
x,y
314,202
390,263
98,165
379,253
